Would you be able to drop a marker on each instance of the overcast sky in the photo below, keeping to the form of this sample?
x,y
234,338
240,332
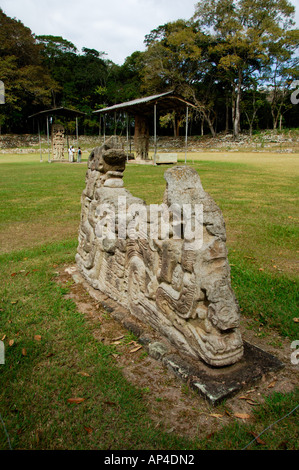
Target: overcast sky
x,y
117,27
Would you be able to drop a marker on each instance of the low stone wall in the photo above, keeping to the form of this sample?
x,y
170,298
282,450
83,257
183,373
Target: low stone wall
x,y
265,141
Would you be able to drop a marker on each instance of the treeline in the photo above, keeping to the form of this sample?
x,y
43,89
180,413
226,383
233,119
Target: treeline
x,y
236,60
41,72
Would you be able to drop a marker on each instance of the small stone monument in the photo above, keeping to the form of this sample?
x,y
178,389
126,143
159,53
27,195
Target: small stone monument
x,y
57,142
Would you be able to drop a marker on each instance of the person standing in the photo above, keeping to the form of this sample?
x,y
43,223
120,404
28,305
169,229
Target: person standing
x,y
79,155
71,154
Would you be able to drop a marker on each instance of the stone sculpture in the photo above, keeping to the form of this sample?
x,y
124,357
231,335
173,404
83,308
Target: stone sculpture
x,y
57,142
178,284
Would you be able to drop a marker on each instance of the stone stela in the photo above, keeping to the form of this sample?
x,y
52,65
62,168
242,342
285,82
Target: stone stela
x,y
57,138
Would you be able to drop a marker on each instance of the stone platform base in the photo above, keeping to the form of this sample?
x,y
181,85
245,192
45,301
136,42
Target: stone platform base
x,y
213,383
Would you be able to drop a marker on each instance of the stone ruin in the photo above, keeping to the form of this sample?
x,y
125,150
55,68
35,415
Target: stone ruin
x,y
178,285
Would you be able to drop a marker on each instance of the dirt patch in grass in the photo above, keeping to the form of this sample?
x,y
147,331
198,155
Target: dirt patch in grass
x,y
23,235
172,405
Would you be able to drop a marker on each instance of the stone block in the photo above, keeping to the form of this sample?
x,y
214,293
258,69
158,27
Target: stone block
x,y
166,158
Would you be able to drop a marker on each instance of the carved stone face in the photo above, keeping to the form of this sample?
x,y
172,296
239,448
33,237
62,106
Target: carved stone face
x,y
107,160
113,160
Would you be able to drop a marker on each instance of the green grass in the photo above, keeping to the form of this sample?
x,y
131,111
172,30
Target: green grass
x,y
267,299
39,218
35,387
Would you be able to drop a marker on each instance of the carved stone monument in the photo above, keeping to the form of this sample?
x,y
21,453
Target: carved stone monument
x,y
57,142
158,267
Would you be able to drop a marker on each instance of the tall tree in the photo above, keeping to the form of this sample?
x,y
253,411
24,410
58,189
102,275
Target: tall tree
x,y
82,76
175,60
59,56
27,83
126,81
283,70
245,32
172,57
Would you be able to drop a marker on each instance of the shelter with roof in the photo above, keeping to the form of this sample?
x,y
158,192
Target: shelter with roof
x,y
146,109
57,130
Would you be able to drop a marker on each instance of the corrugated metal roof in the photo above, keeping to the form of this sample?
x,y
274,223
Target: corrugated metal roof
x,y
60,112
135,102
170,101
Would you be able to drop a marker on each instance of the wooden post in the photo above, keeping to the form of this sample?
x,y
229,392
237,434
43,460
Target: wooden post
x,y
127,137
40,143
77,134
186,138
48,139
67,141
155,133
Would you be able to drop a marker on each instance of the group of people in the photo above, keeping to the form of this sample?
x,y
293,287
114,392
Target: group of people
x,y
72,152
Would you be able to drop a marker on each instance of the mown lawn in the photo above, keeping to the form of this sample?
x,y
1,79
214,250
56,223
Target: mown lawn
x,y
48,344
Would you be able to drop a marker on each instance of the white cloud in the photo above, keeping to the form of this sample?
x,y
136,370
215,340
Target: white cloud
x,y
117,27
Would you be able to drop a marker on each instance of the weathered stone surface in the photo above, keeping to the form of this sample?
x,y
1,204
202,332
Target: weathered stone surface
x,y
113,183
57,142
157,350
179,285
214,384
162,158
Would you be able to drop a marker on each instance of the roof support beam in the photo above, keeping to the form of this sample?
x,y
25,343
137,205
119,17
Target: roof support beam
x,y
186,137
155,133
48,139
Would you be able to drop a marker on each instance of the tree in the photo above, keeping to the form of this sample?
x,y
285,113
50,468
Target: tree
x,y
245,33
283,70
59,57
175,60
172,57
127,78
252,101
27,83
80,75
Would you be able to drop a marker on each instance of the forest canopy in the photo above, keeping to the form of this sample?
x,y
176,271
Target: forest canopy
x,y
237,61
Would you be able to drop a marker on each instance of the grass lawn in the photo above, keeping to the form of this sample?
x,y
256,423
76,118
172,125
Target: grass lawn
x,y
51,354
